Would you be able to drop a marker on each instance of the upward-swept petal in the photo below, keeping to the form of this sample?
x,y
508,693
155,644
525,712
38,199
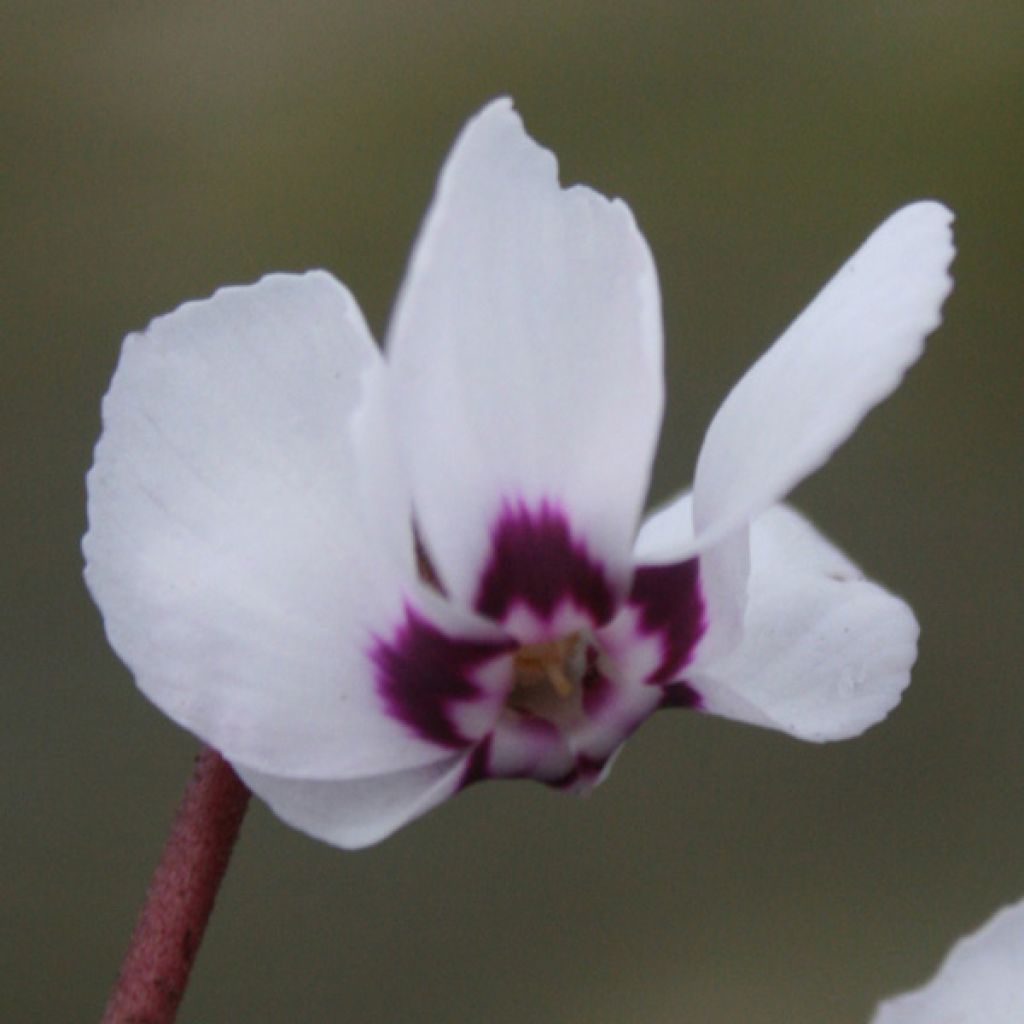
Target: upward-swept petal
x,y
240,574
845,353
527,351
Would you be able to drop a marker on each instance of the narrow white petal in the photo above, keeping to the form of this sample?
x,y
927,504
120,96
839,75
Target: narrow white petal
x,y
240,573
824,653
355,813
981,981
845,353
666,535
527,350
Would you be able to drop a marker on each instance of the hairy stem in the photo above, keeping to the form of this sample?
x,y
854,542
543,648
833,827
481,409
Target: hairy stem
x,y
181,895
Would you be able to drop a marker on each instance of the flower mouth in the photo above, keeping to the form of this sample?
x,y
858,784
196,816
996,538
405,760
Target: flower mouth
x,y
551,677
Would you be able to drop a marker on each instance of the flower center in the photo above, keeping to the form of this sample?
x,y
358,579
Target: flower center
x,y
549,676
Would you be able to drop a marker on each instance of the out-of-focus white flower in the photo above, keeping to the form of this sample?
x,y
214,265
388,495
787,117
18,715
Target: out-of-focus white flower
x,y
372,580
981,981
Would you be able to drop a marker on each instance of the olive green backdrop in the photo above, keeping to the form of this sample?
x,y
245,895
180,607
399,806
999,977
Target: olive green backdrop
x,y
153,151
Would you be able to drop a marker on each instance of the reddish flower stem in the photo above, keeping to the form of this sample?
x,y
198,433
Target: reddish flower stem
x,y
181,895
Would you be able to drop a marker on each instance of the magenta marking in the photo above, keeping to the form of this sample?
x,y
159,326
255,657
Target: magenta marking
x,y
682,695
535,560
422,672
672,608
586,769
597,689
478,764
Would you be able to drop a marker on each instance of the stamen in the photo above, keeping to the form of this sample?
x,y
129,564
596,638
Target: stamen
x,y
550,662
558,679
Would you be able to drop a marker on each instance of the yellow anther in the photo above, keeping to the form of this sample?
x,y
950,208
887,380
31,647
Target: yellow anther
x,y
558,679
549,661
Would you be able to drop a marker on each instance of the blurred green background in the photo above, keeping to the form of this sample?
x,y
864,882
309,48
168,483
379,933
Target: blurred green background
x,y
156,151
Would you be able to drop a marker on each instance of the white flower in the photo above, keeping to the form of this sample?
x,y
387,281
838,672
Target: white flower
x,y
981,981
370,582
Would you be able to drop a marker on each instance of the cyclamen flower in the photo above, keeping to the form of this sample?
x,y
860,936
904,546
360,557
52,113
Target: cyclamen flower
x,y
981,981
371,581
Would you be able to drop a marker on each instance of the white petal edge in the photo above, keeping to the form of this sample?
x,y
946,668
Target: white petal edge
x,y
667,534
239,574
355,813
527,351
845,353
981,981
824,654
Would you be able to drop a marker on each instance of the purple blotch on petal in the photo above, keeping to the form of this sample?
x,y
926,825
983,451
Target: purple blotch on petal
x,y
596,688
478,765
671,607
682,695
536,560
422,672
585,770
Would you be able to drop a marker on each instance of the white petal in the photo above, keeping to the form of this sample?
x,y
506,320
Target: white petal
x,y
824,653
845,353
239,575
667,535
528,354
358,812
980,982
